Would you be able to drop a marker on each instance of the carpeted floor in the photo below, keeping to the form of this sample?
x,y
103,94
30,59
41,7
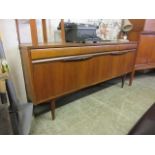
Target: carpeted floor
x,y
105,109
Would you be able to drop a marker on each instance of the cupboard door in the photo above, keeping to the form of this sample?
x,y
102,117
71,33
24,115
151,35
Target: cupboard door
x,y
57,78
145,49
151,58
48,77
122,63
129,62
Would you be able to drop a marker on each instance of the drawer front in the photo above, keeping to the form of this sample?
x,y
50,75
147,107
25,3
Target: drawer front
x,y
72,51
59,76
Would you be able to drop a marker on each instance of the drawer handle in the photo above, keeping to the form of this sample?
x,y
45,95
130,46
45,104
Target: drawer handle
x,y
81,58
119,53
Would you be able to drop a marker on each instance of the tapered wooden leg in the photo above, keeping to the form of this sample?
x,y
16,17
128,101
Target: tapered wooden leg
x,y
131,78
53,109
123,80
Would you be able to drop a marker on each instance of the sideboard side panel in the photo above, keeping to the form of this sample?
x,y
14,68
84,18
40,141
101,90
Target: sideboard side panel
x,y
28,74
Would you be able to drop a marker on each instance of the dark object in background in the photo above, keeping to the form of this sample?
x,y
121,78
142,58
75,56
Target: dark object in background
x,y
3,97
80,33
146,125
20,113
5,123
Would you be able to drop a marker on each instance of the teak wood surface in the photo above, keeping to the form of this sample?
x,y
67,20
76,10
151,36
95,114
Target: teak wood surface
x,y
53,71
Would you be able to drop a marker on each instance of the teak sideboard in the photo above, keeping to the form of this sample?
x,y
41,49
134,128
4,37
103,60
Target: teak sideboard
x,y
52,71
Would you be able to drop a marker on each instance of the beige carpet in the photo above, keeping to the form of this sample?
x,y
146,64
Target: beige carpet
x,y
108,111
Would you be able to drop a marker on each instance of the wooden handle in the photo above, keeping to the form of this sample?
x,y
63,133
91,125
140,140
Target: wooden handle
x,y
79,58
119,53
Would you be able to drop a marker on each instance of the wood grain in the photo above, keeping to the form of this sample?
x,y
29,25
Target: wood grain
x,y
56,79
70,69
33,28
28,74
68,51
44,30
50,80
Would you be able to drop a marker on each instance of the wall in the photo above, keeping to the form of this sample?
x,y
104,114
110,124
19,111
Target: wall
x,y
10,43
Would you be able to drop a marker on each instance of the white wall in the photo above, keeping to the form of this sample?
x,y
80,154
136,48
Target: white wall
x,y
10,43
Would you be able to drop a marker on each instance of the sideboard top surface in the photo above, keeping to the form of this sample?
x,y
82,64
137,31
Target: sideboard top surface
x,y
61,45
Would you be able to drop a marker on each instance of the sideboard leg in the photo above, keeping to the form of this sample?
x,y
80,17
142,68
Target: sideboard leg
x,y
123,80
53,109
131,78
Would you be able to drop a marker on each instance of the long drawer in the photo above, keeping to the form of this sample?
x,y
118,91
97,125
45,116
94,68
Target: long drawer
x,y
57,76
71,51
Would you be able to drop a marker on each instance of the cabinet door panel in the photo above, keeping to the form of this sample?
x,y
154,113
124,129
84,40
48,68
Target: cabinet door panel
x,y
56,78
48,77
152,49
52,79
145,49
122,64
129,62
